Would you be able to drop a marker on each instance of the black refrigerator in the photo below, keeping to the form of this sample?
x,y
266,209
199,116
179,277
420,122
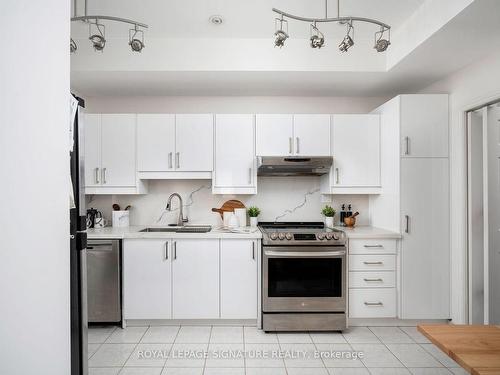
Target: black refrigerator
x,y
78,242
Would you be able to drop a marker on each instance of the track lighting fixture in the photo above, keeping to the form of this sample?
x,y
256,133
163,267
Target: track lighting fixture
x,y
72,46
348,41
136,39
381,45
97,36
281,33
317,38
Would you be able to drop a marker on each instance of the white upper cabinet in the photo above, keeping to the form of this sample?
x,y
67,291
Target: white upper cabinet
x,y
110,154
311,135
424,125
238,279
356,155
274,135
194,136
293,135
235,170
155,142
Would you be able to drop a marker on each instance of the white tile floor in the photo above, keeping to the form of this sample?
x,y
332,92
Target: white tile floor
x,y
148,351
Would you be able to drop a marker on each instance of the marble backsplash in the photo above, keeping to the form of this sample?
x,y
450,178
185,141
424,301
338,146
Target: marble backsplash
x,y
279,198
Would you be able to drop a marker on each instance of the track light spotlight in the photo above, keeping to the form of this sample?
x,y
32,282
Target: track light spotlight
x,y
98,40
281,33
381,45
348,40
136,39
317,38
72,46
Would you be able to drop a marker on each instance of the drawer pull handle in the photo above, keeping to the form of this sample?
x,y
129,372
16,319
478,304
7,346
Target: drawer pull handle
x,y
374,280
370,246
374,304
372,263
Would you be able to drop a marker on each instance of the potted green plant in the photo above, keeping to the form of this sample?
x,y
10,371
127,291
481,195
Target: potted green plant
x,y
253,212
328,212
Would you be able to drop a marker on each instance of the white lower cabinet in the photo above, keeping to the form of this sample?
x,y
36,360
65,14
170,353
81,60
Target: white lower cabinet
x,y
195,278
372,303
238,279
147,279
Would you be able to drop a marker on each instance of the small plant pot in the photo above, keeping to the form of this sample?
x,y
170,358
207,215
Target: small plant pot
x,y
254,221
329,221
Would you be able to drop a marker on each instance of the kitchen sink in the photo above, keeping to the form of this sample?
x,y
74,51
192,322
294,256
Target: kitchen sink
x,y
185,229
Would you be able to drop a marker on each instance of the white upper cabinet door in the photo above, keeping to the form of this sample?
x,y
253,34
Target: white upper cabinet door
x,y
274,135
234,151
92,131
356,151
195,275
194,136
147,279
118,150
424,125
155,142
311,135
238,279
425,255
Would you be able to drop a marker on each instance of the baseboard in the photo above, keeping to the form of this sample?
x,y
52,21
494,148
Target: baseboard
x,y
190,322
392,322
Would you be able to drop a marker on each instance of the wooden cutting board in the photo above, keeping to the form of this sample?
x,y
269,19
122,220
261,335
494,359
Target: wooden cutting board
x,y
228,206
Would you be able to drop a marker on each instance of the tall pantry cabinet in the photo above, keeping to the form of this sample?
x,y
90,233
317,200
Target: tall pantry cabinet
x,y
416,200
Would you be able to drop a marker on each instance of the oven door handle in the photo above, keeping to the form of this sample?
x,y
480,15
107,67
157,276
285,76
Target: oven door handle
x,y
303,254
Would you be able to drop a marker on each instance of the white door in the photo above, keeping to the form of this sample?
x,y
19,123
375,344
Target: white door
x,y
356,150
424,125
92,132
194,136
155,142
118,150
238,279
147,279
274,135
425,256
311,135
234,150
195,279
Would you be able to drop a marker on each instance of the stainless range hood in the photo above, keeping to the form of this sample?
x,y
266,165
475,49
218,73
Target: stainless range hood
x,y
293,165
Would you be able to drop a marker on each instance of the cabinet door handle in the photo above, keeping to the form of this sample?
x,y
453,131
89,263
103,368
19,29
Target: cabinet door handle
x,y
175,250
372,263
96,175
169,160
177,160
373,246
297,144
253,250
337,178
407,225
374,303
407,145
166,250
104,176
373,280
290,145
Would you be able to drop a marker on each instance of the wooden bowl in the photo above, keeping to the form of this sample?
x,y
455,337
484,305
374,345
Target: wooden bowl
x,y
350,221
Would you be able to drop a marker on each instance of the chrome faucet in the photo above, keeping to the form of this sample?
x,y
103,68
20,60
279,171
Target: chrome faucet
x,y
180,220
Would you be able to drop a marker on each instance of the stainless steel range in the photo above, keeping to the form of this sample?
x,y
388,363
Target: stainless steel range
x,y
303,277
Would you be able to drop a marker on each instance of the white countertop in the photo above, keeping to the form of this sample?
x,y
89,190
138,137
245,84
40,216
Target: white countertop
x,y
134,232
366,231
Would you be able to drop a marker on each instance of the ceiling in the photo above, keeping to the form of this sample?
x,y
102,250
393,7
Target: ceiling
x,y
242,18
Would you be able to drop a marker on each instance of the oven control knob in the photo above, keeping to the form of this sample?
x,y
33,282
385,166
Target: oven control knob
x,y
321,236
281,236
289,236
274,236
329,236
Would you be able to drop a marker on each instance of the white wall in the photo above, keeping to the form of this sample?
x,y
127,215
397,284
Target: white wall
x,y
34,165
470,87
276,195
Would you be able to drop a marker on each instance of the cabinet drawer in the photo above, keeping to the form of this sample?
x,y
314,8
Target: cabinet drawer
x,y
372,246
372,262
372,279
372,303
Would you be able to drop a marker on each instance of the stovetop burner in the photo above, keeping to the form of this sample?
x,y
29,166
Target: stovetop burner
x,y
292,224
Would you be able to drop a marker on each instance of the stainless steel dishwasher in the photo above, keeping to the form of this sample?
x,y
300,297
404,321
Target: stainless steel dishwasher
x,y
104,281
